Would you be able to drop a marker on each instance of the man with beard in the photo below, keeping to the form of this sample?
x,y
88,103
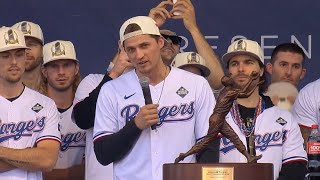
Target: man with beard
x,y
172,46
29,136
61,78
34,40
256,120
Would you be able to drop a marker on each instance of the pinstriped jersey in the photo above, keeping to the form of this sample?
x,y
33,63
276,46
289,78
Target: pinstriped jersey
x,y
277,138
93,170
306,108
185,103
73,141
27,120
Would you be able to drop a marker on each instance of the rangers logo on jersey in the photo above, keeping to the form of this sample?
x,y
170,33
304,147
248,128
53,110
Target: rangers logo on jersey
x,y
173,113
72,140
263,142
21,129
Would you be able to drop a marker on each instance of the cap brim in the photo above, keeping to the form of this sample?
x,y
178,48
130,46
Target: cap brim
x,y
14,47
206,71
59,58
38,39
226,57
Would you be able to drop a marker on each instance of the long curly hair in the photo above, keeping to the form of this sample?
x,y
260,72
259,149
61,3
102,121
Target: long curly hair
x,y
43,89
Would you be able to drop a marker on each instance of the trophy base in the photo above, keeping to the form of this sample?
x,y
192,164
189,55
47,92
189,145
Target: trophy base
x,y
218,171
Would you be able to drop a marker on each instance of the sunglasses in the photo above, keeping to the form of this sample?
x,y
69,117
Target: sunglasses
x,y
176,40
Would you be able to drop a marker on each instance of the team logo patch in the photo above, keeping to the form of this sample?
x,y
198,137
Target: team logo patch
x,y
58,49
36,108
240,46
193,58
182,92
281,121
25,28
11,37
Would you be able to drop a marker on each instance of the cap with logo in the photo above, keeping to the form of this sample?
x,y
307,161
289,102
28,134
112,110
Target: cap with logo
x,y
30,29
11,38
244,47
191,59
146,24
57,50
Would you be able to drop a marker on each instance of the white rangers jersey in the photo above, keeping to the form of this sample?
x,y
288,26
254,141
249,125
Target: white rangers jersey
x,y
27,120
277,138
93,170
72,142
306,108
185,103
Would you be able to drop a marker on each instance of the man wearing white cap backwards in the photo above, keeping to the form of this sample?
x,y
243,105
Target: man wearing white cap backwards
x,y
265,129
61,77
34,40
29,136
179,113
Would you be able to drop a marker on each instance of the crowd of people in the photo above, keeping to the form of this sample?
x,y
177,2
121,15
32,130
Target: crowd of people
x,y
53,125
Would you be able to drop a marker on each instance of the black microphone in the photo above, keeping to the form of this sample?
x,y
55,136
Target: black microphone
x,y
144,82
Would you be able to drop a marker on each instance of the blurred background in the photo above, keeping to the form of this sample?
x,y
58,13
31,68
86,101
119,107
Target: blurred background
x,y
93,25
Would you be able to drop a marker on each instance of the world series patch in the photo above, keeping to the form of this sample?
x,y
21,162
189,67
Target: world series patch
x,y
281,121
36,108
182,92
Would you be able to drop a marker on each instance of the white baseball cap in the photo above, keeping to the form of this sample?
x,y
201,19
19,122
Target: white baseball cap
x,y
244,47
57,50
11,38
147,26
30,29
191,59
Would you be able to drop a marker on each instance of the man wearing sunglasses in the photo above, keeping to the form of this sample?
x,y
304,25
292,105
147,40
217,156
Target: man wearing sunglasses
x,y
172,47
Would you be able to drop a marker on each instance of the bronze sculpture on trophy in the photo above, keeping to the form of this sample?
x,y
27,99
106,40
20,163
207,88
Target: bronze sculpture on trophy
x,y
217,122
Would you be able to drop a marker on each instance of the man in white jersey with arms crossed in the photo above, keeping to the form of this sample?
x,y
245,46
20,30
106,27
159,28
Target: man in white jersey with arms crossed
x,y
179,115
29,136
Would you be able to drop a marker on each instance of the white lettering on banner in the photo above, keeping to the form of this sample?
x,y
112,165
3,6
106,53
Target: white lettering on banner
x,y
263,42
263,46
212,37
295,40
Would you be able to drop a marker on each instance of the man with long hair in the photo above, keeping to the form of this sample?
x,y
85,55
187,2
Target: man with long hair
x,y
61,77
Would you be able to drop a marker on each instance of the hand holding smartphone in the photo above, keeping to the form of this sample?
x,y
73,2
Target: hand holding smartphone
x,y
177,13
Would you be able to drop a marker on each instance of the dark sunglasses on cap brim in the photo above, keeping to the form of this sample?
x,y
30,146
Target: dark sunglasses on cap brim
x,y
176,40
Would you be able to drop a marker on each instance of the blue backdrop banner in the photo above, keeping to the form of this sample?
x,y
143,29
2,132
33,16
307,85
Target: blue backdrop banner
x,y
93,26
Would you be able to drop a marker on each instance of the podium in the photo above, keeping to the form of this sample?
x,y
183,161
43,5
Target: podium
x,y
218,171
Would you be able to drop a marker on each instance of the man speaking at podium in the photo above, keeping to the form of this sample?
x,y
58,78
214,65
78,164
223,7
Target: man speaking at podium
x,y
181,105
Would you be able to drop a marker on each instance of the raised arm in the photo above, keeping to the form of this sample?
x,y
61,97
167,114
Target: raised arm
x,y
204,49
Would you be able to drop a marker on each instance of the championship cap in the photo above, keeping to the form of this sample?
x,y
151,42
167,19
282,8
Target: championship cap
x,y
30,29
191,59
11,38
57,50
146,26
244,47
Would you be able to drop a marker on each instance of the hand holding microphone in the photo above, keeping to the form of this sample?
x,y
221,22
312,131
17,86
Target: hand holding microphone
x,y
148,114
